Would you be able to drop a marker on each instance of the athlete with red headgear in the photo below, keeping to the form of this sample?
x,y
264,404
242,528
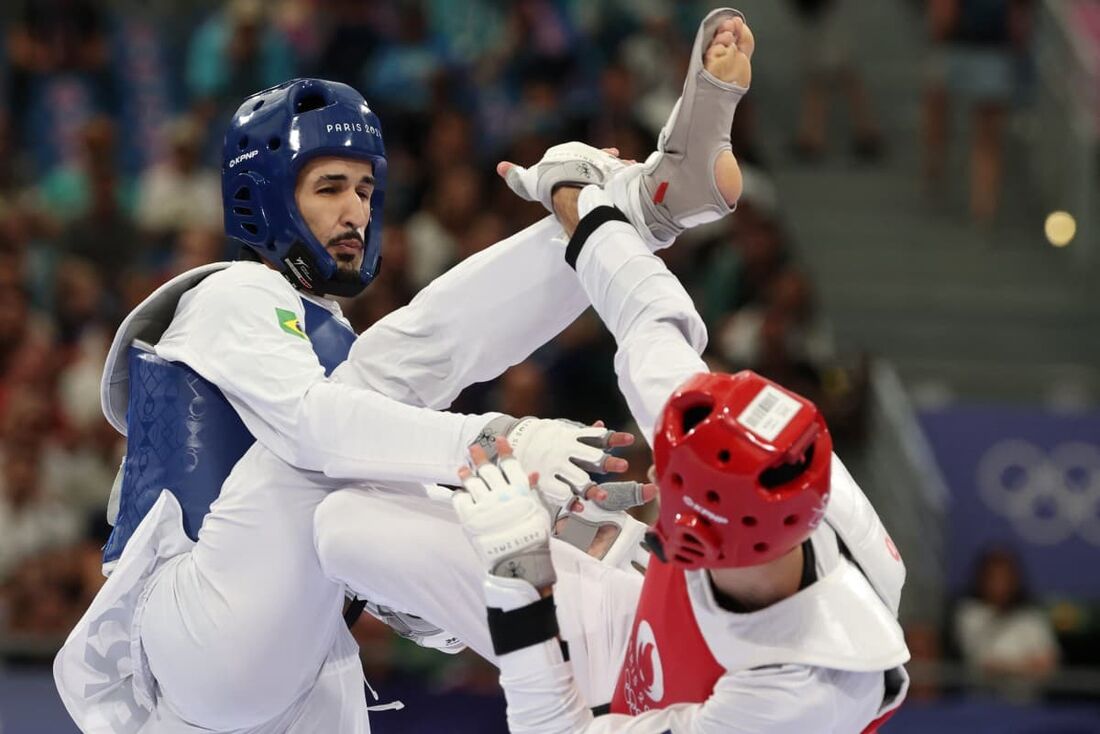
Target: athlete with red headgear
x,y
771,602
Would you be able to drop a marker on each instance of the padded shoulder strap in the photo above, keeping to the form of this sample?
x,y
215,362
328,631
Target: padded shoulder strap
x,y
148,323
855,521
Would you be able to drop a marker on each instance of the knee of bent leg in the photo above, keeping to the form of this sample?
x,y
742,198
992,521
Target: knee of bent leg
x,y
342,540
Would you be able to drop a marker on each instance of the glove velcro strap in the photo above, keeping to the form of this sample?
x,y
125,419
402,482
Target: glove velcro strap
x,y
502,425
588,225
519,628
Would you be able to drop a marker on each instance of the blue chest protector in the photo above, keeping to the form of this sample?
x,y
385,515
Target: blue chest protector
x,y
184,436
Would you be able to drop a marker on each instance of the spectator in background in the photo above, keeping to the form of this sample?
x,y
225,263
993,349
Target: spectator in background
x,y
195,246
32,519
78,300
614,122
102,231
826,61
234,53
750,251
435,231
523,390
646,54
8,180
348,33
978,43
1003,635
405,74
51,38
179,192
93,184
27,355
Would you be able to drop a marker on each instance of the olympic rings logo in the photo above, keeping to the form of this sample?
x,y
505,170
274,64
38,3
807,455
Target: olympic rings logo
x,y
1047,496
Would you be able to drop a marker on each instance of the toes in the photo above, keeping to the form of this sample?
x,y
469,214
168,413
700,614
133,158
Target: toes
x,y
714,53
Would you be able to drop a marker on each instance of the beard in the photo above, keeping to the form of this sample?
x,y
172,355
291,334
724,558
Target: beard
x,y
347,263
347,268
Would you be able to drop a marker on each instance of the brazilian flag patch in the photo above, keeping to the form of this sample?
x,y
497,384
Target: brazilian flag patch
x,y
288,320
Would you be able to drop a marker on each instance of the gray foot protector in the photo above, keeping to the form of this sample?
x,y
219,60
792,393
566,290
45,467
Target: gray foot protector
x,y
415,628
678,187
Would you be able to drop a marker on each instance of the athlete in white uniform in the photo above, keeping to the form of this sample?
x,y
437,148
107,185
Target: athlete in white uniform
x,y
236,627
771,605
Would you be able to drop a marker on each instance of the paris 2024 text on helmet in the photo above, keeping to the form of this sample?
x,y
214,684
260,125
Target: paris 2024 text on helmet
x,y
272,135
743,466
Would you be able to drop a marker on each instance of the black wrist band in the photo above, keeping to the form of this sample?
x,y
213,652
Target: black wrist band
x,y
588,225
510,631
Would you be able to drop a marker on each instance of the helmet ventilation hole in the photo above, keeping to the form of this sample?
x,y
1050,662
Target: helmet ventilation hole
x,y
258,105
310,101
252,229
748,521
713,497
777,476
790,520
243,211
760,547
243,194
724,456
677,481
243,142
274,143
693,416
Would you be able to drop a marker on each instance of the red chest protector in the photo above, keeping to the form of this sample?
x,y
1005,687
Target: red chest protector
x,y
667,660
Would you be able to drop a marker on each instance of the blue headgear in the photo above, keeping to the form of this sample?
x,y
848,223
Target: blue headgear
x,y
273,134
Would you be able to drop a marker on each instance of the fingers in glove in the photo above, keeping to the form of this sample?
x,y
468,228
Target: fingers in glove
x,y
607,439
595,493
493,478
463,502
513,473
574,481
604,464
513,176
594,457
478,456
621,496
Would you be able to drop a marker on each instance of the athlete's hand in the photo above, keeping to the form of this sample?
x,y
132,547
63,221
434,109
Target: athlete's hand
x,y
603,529
562,452
568,164
504,519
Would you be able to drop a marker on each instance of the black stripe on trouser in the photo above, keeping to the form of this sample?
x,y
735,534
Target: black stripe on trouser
x,y
354,612
510,631
591,222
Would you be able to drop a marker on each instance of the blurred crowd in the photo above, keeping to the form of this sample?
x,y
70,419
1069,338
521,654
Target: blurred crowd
x,y
110,131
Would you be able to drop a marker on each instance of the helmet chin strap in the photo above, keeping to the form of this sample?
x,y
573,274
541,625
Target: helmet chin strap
x,y
300,270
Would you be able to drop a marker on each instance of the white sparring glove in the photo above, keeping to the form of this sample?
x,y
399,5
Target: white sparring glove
x,y
568,164
563,453
509,528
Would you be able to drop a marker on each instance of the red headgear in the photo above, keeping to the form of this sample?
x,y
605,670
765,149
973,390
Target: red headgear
x,y
743,466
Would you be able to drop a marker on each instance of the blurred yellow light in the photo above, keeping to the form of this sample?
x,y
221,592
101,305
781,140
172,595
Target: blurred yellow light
x,y
1060,228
